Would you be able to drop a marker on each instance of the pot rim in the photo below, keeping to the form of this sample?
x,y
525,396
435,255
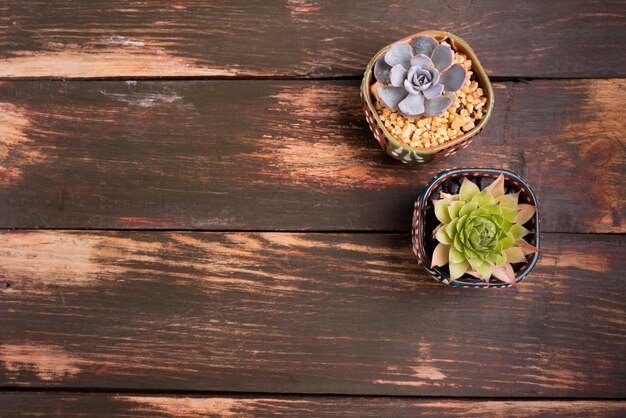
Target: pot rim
x,y
418,227
485,83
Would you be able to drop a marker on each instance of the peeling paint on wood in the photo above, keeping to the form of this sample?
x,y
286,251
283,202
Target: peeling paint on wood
x,y
187,407
216,154
110,57
143,100
303,312
60,259
48,363
106,405
590,128
17,150
299,38
589,259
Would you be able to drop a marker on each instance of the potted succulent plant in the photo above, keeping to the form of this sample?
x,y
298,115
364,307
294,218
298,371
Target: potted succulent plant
x,y
476,228
426,96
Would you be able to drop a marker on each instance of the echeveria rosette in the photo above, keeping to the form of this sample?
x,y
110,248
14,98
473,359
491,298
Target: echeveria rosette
x,y
418,78
481,232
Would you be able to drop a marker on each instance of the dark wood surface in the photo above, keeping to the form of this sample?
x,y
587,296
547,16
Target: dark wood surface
x,y
98,405
216,154
301,38
304,313
196,221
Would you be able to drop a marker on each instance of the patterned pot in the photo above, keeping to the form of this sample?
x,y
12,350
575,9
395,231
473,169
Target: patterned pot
x,y
406,153
421,246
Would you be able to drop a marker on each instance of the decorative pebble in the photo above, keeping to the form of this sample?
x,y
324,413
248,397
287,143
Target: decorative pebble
x,y
432,131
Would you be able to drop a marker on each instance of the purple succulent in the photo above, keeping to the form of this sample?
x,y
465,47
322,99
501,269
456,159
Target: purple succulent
x,y
421,75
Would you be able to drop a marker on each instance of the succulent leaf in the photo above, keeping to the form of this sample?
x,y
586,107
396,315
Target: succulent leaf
x,y
483,199
474,262
484,269
442,57
458,269
524,213
421,61
455,256
479,231
449,197
518,231
468,208
440,255
504,273
509,214
399,53
497,187
443,237
391,96
451,227
526,247
468,190
453,78
381,70
515,255
441,211
433,91
413,104
508,201
397,75
506,242
438,105
424,45
436,76
454,208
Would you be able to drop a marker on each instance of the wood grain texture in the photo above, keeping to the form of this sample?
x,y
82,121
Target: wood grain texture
x,y
300,38
284,155
304,313
18,405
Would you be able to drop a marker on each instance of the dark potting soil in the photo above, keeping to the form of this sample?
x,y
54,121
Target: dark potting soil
x,y
452,186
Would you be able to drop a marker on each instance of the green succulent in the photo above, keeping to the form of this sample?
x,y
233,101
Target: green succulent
x,y
481,232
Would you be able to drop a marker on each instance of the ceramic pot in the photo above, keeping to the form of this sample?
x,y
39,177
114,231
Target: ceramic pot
x,y
424,222
404,152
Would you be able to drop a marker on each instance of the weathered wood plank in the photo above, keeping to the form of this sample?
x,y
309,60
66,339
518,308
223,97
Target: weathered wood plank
x,y
217,154
304,313
20,405
304,38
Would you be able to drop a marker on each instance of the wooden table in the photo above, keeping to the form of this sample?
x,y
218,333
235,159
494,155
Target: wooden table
x,y
197,220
